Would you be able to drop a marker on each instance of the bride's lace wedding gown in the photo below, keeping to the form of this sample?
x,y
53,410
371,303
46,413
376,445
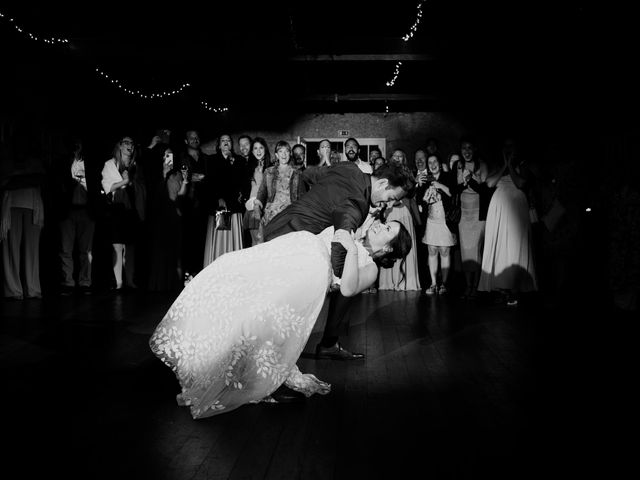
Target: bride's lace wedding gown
x,y
235,332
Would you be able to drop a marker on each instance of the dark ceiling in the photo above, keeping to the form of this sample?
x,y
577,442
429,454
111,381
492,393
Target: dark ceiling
x,y
327,56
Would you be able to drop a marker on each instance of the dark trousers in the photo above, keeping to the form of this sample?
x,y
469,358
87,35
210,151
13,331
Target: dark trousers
x,y
22,237
336,317
76,230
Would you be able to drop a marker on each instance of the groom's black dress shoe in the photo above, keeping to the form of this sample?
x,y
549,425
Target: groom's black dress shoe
x,y
336,353
284,394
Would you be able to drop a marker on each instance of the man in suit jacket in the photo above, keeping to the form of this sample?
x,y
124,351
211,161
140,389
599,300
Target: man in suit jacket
x,y
341,198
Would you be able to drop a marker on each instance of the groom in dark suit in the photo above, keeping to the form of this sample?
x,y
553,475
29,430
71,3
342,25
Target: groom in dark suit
x,y
341,197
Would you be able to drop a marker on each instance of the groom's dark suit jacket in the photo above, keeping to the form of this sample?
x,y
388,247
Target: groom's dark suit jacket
x,y
340,198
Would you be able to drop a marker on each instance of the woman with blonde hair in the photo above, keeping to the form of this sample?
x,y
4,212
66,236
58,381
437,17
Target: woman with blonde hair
x,y
123,184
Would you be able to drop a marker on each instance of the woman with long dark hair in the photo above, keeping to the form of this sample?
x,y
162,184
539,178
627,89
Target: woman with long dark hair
x,y
259,161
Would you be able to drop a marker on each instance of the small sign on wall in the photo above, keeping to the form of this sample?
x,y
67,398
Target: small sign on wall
x,y
343,133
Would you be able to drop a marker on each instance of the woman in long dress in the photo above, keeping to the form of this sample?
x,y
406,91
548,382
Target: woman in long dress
x,y
475,196
235,332
230,191
507,259
403,275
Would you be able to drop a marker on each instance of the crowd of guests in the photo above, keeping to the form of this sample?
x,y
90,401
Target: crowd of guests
x,y
169,208
466,218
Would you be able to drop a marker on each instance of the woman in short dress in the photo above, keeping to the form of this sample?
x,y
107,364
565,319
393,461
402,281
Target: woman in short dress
x,y
438,238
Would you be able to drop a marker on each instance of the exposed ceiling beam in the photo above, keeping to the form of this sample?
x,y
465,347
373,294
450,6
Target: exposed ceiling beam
x,y
368,97
401,57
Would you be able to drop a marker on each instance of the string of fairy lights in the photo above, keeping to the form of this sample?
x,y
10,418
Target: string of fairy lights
x,y
414,27
176,91
206,106
32,36
140,94
406,38
110,78
391,82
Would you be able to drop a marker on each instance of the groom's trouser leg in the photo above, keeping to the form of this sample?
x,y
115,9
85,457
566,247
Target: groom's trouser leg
x,y
338,307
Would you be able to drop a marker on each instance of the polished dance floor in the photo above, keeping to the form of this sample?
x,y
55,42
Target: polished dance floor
x,y
448,389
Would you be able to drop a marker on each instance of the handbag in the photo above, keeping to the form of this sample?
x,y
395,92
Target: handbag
x,y
223,220
249,222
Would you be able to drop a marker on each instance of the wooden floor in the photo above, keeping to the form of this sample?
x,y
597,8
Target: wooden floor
x,y
449,389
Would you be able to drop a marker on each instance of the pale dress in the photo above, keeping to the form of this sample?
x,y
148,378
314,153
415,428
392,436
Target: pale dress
x,y
235,332
437,233
470,227
507,259
219,242
471,231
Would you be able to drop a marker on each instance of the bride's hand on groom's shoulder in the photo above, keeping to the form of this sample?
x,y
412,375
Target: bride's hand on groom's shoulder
x,y
344,238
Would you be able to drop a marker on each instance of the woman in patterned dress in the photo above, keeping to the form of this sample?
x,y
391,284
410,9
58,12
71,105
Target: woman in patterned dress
x,y
280,187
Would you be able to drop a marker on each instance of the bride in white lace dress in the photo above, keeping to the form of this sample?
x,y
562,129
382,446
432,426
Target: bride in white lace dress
x,y
235,332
